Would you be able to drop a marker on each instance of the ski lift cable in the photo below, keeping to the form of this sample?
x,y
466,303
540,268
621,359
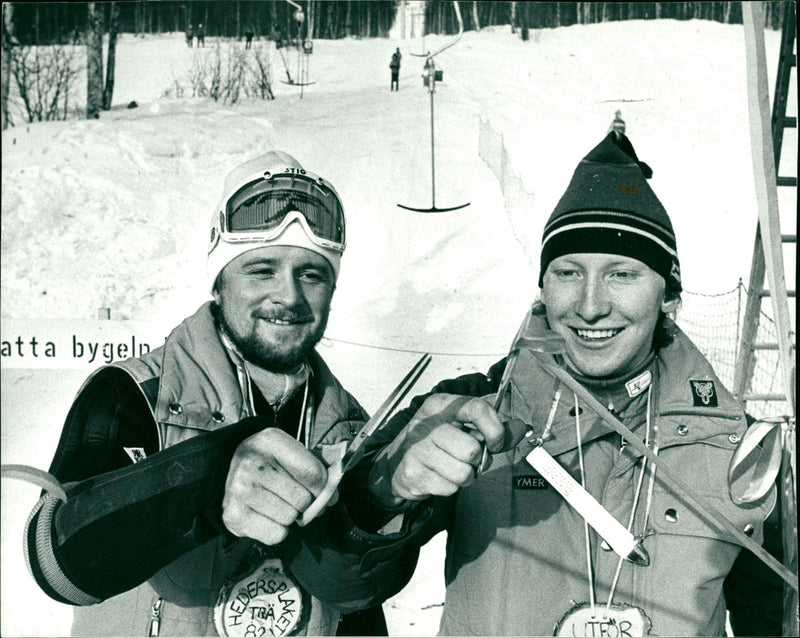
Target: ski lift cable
x,y
449,44
458,35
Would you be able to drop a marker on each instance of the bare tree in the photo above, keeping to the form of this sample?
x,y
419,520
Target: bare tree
x,y
311,19
261,72
475,15
7,44
45,79
108,91
94,62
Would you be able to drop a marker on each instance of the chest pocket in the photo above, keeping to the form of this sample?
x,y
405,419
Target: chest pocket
x,y
704,468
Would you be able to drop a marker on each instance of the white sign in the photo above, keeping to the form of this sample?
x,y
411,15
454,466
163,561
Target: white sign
x,y
75,343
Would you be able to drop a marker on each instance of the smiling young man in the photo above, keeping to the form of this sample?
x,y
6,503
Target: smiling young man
x,y
185,470
520,560
606,307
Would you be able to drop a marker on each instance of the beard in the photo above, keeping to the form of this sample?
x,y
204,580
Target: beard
x,y
275,357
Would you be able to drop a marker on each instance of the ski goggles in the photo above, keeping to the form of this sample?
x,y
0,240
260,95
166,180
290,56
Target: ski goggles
x,y
263,208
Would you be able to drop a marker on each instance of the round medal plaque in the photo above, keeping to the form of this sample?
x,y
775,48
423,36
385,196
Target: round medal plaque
x,y
266,602
619,620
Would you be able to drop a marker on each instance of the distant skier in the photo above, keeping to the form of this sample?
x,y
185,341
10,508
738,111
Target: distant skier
x,y
201,35
276,35
189,35
618,127
394,65
248,36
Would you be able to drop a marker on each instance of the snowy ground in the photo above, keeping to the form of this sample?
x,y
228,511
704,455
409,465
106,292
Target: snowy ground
x,y
112,213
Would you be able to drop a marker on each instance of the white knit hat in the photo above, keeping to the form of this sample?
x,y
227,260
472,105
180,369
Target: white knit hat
x,y
297,233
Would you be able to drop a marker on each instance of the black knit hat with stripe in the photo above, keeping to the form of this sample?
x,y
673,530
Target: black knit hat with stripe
x,y
610,208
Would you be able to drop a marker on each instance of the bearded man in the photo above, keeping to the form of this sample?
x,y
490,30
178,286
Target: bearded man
x,y
184,470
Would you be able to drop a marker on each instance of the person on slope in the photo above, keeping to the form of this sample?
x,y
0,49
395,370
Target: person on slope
x,y
394,65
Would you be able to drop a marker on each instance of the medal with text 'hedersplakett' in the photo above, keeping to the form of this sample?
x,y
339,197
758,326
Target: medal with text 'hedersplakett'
x,y
516,411
264,602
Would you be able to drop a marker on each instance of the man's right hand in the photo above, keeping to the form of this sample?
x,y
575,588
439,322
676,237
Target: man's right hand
x,y
272,479
435,454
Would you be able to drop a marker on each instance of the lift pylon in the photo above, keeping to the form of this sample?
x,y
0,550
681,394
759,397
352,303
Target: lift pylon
x,y
303,47
431,76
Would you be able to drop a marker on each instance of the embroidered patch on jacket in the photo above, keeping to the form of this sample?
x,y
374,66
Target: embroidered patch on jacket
x,y
639,384
136,453
704,393
529,482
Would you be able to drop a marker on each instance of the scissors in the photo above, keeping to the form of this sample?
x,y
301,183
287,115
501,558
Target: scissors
x,y
349,453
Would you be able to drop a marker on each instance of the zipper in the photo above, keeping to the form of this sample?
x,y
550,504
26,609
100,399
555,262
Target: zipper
x,y
155,617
